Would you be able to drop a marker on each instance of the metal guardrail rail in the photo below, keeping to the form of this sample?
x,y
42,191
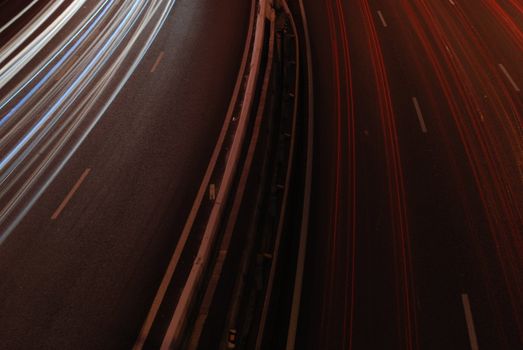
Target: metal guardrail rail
x,y
285,186
248,190
242,289
181,312
204,219
309,154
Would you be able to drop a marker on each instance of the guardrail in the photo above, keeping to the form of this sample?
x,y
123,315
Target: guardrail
x,y
222,167
304,229
200,262
286,186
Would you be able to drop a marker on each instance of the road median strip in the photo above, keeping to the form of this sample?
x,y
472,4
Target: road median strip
x,y
221,172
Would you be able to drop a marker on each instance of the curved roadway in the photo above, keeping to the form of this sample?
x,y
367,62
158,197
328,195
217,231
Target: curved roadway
x,y
97,226
417,211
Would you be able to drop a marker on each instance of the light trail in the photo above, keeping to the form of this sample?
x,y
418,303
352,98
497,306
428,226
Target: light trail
x,y
48,61
20,14
491,148
102,76
11,68
98,17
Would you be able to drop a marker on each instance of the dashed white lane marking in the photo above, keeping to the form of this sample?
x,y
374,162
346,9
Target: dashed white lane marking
x,y
71,193
504,70
383,22
470,322
420,115
158,60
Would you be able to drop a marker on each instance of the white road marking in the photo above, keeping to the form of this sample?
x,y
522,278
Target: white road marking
x,y
158,60
504,70
470,322
420,115
71,193
452,3
382,19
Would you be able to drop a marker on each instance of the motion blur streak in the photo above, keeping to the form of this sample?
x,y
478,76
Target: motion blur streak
x,y
489,120
15,18
350,270
51,119
102,159
342,236
97,16
405,294
10,69
513,30
438,204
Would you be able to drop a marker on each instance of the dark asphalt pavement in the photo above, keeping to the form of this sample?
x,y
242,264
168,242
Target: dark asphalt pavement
x,y
85,280
417,208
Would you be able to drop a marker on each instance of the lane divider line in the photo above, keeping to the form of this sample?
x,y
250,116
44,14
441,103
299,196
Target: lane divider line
x,y
158,60
470,322
420,115
509,77
70,195
383,22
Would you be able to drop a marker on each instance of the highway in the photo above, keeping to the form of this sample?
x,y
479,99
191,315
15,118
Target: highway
x,y
114,129
109,113
416,237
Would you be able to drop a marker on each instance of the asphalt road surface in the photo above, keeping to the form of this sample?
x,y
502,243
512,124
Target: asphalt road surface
x,y
417,208
94,195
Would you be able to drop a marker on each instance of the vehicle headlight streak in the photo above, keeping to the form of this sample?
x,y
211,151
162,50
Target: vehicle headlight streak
x,y
39,155
9,70
102,10
61,100
14,19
